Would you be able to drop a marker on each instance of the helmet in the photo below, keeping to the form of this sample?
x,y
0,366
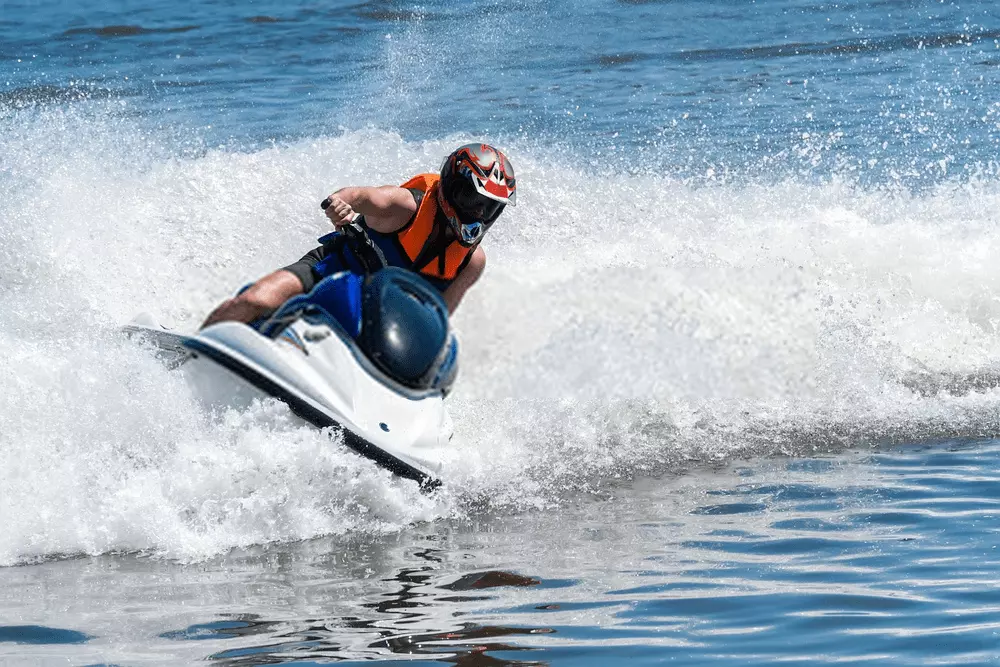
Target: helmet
x,y
477,182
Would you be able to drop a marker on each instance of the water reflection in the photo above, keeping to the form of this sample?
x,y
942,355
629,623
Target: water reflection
x,y
873,554
416,617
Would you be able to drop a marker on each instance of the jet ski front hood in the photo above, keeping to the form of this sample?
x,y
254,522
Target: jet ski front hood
x,y
326,381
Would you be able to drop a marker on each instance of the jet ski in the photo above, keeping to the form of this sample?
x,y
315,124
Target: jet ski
x,y
371,356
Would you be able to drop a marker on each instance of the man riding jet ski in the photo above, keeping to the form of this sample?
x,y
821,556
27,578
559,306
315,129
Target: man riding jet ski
x,y
368,349
431,225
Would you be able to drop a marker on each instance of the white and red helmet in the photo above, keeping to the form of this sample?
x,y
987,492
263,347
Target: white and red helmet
x,y
477,182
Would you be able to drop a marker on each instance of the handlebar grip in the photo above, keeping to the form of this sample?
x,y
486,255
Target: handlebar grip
x,y
325,204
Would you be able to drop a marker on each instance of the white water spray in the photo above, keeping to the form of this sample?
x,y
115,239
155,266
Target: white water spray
x,y
625,325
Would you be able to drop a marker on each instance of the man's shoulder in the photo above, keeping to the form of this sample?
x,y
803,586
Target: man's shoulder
x,y
395,210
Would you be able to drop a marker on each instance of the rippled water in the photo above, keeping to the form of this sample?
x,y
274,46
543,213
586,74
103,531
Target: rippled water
x,y
897,90
886,558
729,385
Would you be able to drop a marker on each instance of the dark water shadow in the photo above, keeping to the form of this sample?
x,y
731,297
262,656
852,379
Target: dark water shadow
x,y
126,30
40,635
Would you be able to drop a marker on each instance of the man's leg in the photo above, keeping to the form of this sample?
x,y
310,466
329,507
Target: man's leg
x,y
260,299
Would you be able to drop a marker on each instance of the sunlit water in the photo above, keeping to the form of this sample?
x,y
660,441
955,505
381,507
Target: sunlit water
x,y
728,387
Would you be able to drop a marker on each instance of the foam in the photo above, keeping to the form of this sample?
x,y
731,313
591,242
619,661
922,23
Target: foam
x,y
626,325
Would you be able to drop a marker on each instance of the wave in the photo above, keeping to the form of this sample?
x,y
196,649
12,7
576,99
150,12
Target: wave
x,y
47,95
127,30
866,45
628,324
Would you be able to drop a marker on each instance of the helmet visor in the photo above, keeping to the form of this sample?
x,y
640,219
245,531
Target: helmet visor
x,y
472,206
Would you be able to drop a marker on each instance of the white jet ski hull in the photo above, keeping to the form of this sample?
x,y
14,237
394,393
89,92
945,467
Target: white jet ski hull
x,y
324,380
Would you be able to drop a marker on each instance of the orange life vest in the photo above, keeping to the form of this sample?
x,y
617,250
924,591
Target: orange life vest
x,y
448,261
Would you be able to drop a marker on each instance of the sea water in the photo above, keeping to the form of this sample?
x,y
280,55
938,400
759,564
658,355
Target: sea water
x,y
729,385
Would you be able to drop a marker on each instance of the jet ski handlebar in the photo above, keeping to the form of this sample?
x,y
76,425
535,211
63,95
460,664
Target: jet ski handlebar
x,y
369,254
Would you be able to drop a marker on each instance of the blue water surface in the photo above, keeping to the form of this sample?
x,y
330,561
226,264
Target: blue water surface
x,y
897,90
885,558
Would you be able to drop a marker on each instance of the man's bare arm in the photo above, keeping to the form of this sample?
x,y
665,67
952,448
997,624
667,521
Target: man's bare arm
x,y
386,208
464,280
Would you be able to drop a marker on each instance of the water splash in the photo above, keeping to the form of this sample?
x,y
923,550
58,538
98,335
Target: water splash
x,y
628,324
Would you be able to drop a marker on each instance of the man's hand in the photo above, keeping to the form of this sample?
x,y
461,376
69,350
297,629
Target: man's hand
x,y
339,211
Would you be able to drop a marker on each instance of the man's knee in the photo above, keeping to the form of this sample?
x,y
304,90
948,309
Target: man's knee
x,y
271,291
258,300
254,304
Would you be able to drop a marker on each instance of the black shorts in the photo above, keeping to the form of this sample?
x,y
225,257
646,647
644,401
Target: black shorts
x,y
304,268
332,258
